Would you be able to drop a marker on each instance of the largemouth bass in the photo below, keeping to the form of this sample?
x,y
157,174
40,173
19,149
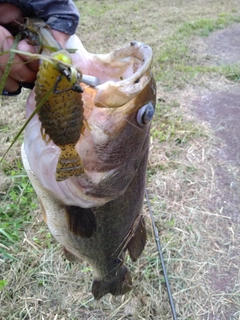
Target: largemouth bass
x,y
97,216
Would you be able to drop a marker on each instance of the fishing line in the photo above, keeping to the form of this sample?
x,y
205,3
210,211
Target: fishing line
x,y
161,259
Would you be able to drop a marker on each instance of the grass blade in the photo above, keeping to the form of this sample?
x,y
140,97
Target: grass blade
x,y
9,63
6,235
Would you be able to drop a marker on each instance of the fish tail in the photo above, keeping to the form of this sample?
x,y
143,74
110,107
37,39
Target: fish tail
x,y
69,163
119,285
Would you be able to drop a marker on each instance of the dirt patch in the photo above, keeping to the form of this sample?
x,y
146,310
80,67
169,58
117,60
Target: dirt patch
x,y
224,45
221,110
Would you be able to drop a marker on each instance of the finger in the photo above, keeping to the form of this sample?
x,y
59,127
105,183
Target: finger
x,y
6,41
61,37
19,70
10,17
9,13
32,64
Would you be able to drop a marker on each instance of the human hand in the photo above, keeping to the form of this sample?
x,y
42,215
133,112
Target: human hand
x,y
23,69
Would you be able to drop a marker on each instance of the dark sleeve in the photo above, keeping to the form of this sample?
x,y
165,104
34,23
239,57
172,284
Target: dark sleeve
x,y
61,15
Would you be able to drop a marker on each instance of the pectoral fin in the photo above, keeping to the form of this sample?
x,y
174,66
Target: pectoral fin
x,y
138,241
81,221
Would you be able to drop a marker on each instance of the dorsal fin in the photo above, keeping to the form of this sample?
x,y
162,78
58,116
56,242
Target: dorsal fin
x,y
81,221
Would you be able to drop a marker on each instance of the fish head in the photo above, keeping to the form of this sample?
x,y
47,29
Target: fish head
x,y
118,113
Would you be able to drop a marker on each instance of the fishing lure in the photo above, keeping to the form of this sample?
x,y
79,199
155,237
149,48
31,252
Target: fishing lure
x,y
61,114
59,103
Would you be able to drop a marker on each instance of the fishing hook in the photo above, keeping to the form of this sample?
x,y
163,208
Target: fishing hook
x,y
161,259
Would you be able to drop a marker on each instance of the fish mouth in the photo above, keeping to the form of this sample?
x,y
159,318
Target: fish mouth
x,y
137,58
119,76
121,284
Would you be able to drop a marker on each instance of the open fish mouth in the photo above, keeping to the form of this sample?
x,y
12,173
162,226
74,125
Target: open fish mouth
x,y
97,215
125,75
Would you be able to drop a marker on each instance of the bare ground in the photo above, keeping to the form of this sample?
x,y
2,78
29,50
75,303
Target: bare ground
x,y
193,183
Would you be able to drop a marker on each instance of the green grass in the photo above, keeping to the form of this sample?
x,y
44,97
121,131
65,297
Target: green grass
x,y
2,284
175,65
230,71
204,26
95,10
17,202
171,125
99,8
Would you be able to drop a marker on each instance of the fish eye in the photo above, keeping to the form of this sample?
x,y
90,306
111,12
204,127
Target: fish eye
x,y
145,114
